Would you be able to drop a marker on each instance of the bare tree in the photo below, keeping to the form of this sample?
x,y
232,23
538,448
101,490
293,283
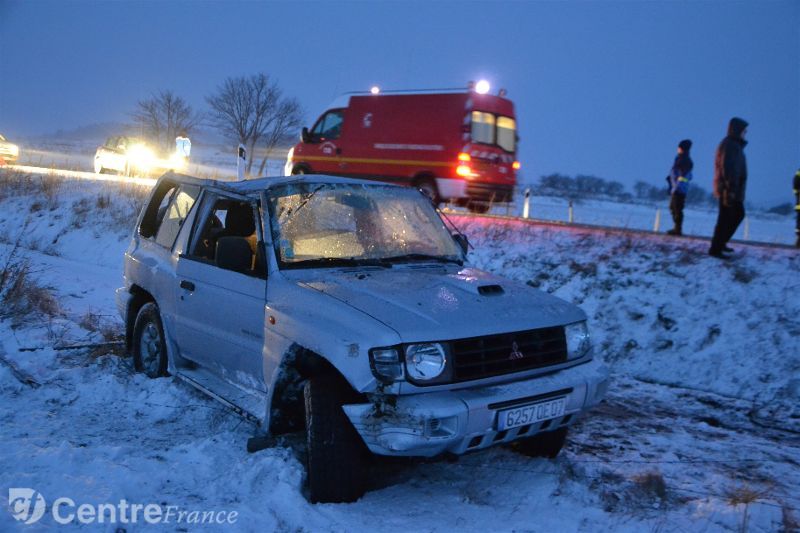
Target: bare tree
x,y
249,110
164,116
286,120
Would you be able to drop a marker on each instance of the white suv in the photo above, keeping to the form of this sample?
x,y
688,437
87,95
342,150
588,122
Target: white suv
x,y
346,308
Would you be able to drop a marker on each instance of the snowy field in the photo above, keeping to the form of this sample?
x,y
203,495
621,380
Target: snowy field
x,y
700,431
219,162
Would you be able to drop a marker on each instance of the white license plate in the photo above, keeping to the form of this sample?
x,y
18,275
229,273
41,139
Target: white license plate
x,y
531,414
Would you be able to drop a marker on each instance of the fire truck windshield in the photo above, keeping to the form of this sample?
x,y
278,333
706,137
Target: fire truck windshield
x,y
487,128
506,133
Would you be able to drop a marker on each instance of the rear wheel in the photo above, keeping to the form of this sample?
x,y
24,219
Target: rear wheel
x,y
149,343
429,189
337,457
547,444
298,171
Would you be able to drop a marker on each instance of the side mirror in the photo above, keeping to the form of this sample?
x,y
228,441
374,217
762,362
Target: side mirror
x,y
462,242
304,135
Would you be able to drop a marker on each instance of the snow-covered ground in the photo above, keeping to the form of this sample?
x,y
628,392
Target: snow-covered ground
x,y
699,432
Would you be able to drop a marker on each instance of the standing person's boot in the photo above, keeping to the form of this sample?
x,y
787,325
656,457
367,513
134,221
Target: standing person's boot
x,y
797,244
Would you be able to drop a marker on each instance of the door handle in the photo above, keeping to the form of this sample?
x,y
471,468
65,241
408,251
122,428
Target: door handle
x,y
188,285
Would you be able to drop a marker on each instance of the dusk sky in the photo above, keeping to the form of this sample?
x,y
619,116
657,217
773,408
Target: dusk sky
x,y
603,88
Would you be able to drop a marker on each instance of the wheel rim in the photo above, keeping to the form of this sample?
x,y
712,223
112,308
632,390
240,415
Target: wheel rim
x,y
150,349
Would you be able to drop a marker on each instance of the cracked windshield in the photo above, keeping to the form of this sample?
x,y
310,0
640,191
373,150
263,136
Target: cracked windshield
x,y
340,224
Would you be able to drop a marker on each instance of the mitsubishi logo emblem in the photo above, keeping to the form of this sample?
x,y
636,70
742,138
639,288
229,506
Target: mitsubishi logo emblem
x,y
515,353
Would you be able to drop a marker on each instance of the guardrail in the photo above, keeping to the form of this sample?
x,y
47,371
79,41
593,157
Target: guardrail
x,y
564,214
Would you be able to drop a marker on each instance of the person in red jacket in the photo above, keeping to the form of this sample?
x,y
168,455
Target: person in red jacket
x,y
730,181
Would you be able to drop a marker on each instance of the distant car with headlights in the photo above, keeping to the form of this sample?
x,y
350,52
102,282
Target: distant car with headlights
x,y
133,156
9,152
348,309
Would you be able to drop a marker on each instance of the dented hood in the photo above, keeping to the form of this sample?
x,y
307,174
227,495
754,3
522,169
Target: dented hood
x,y
440,303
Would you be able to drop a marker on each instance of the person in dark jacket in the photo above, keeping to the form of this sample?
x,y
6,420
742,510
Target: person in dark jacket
x,y
679,178
796,187
730,181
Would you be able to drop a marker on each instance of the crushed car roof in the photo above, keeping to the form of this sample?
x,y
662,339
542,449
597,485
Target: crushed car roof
x,y
252,186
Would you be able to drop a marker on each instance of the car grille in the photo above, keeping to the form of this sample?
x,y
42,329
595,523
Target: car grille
x,y
495,355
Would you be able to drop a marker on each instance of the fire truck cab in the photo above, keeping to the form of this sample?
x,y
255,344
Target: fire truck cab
x,y
455,145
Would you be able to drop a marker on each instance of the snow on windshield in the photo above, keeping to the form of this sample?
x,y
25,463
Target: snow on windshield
x,y
335,221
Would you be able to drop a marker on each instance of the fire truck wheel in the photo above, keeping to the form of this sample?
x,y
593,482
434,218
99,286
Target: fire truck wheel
x,y
479,207
428,186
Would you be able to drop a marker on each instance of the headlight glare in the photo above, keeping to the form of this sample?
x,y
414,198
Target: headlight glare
x,y
425,362
578,341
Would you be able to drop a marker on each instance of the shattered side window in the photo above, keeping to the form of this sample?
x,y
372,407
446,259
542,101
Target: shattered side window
x,y
175,213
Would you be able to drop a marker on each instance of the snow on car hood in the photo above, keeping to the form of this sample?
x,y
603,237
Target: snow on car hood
x,y
438,303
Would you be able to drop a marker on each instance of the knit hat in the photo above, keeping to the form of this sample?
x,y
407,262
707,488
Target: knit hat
x,y
685,145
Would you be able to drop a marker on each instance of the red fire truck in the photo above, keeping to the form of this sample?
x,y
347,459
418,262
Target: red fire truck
x,y
457,145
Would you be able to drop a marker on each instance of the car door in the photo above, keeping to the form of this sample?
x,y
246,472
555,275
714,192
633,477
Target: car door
x,y
219,319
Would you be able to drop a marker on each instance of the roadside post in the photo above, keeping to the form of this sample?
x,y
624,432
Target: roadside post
x,y
570,213
657,223
526,207
746,229
241,162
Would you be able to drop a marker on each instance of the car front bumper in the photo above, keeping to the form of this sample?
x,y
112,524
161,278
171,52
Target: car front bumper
x,y
465,420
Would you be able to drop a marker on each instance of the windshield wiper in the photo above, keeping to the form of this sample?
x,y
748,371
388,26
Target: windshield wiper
x,y
339,262
422,257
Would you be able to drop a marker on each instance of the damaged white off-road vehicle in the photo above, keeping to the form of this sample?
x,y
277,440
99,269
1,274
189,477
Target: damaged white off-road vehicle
x,y
346,308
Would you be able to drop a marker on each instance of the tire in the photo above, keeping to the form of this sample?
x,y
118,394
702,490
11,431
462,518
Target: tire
x,y
478,207
149,344
547,444
429,189
337,457
298,171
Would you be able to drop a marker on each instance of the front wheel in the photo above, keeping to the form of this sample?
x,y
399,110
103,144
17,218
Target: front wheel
x,y
336,453
149,343
547,444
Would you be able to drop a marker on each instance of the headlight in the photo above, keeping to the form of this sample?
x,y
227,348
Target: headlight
x,y
578,341
386,364
425,362
141,157
177,161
